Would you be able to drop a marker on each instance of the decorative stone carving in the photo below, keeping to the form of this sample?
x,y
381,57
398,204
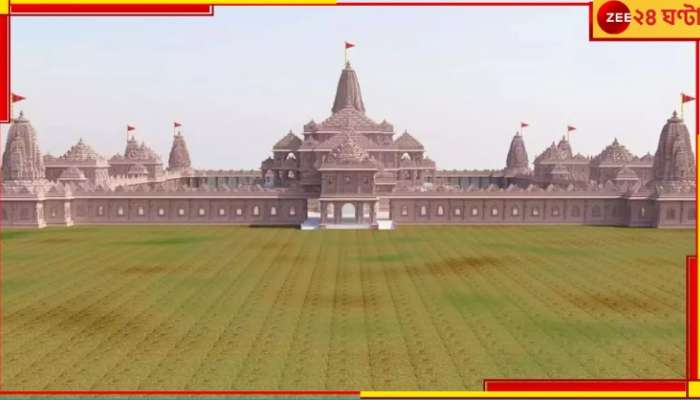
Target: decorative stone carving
x,y
674,160
22,158
179,155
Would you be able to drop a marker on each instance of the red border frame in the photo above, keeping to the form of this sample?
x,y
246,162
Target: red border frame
x,y
493,385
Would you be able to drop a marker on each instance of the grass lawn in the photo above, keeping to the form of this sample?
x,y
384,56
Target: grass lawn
x,y
202,307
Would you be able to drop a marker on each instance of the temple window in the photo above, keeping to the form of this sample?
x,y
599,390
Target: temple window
x,y
256,211
365,210
120,211
404,211
535,211
457,211
292,211
222,211
161,211
423,211
671,213
100,211
555,212
140,211
239,211
494,211
201,212
515,211
290,174
642,212
595,211
475,211
440,211
405,156
273,210
291,156
575,211
329,210
348,179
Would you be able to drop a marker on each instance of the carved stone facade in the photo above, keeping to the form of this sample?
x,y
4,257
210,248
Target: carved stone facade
x,y
350,170
674,160
22,160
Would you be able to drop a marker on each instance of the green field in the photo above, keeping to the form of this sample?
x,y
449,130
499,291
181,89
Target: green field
x,y
202,307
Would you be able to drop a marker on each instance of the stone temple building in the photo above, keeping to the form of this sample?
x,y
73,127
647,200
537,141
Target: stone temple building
x,y
348,170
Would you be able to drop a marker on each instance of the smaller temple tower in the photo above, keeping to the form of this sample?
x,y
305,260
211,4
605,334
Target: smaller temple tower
x,y
22,159
674,161
179,158
516,161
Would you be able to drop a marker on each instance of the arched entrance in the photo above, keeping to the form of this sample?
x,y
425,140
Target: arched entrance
x,y
348,214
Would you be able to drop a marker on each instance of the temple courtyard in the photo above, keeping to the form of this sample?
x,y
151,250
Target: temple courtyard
x,y
421,307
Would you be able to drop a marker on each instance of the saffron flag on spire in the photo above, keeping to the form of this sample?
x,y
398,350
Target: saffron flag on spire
x,y
570,128
129,128
348,45
684,99
16,98
176,124
524,124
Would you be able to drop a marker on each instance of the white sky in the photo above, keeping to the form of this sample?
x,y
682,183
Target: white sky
x,y
459,79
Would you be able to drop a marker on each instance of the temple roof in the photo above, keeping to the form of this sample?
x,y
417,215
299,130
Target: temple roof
x,y
350,118
348,93
137,152
337,139
614,153
407,142
560,153
72,174
290,141
565,147
81,152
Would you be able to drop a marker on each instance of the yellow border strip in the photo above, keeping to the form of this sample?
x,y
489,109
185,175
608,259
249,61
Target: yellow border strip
x,y
4,7
693,388
372,394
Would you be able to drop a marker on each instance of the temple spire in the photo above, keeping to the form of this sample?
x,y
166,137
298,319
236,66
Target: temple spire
x,y
348,93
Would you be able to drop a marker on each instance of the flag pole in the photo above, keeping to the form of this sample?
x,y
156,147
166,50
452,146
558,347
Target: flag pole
x,y
682,106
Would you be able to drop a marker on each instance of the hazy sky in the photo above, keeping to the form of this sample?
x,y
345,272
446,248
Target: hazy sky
x,y
459,79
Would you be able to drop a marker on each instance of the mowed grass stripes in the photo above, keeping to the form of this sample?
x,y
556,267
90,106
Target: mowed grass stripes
x,y
419,308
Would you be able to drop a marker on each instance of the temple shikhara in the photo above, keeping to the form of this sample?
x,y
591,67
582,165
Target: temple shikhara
x,y
349,170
